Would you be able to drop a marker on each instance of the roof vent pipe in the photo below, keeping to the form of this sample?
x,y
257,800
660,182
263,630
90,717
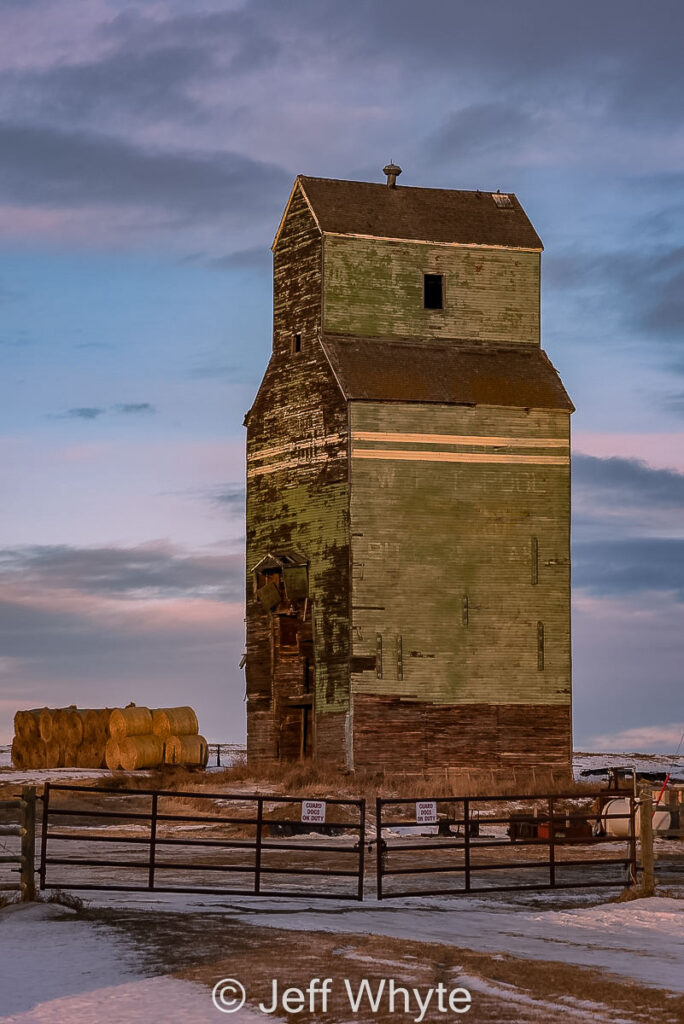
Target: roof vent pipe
x,y
392,171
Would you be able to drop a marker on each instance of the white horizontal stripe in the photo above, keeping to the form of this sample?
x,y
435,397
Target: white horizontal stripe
x,y
317,441
499,442
273,467
429,241
406,455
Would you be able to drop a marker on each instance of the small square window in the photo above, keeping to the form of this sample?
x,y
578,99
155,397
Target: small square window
x,y
296,344
433,291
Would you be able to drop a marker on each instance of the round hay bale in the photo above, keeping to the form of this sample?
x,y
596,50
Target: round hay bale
x,y
27,725
74,727
53,754
70,755
112,758
60,727
174,722
187,750
95,725
89,755
37,754
131,721
144,751
20,753
45,724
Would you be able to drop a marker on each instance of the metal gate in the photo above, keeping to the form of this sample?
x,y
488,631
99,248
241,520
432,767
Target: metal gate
x,y
262,844
476,845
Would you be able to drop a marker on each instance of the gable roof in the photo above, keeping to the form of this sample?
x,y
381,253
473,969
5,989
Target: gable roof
x,y
416,214
449,372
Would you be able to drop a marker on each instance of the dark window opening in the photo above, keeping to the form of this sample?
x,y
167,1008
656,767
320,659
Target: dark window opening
x,y
297,343
288,631
433,291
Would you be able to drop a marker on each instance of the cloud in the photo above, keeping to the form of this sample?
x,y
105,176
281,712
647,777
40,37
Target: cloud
x,y
650,738
158,570
631,566
232,496
156,623
86,412
484,128
134,408
92,651
675,403
42,165
644,289
630,481
628,536
150,83
256,258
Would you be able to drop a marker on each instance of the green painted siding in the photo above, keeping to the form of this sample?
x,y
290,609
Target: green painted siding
x,y
297,485
375,287
443,556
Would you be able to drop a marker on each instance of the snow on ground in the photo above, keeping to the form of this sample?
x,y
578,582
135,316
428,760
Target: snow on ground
x,y
642,940
72,971
663,763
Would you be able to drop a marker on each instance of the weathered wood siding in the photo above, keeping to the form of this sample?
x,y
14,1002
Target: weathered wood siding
x,y
461,562
297,488
375,287
391,734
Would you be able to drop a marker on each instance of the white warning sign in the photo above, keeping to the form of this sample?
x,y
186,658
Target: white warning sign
x,y
313,811
426,812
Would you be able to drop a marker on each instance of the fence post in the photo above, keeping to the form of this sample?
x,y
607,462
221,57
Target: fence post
x,y
378,851
153,841
362,845
257,852
466,842
28,843
552,845
632,840
646,835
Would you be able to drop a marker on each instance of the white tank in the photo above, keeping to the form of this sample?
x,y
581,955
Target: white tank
x,y
619,827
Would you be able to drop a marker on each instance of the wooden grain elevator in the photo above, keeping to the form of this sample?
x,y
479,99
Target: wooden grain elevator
x,y
408,489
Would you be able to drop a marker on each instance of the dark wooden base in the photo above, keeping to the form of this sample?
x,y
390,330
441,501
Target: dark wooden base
x,y
407,736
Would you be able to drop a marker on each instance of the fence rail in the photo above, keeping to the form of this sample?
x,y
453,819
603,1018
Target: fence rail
x,y
173,841
24,828
550,830
254,858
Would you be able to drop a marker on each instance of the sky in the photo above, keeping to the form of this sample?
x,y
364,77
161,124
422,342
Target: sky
x,y
147,150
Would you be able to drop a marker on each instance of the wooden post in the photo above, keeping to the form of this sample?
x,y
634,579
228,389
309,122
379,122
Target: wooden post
x,y
257,850
646,834
28,843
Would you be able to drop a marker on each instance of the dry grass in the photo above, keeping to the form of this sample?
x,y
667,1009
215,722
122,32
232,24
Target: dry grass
x,y
310,780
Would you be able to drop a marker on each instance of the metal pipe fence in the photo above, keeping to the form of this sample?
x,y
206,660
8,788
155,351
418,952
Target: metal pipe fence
x,y
545,834
246,842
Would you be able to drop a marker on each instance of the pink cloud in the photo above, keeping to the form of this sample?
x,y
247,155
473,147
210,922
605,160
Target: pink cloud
x,y
661,450
643,739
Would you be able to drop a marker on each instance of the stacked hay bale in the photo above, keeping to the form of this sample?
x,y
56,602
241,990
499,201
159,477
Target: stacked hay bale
x,y
131,738
132,744
178,729
60,738
27,749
